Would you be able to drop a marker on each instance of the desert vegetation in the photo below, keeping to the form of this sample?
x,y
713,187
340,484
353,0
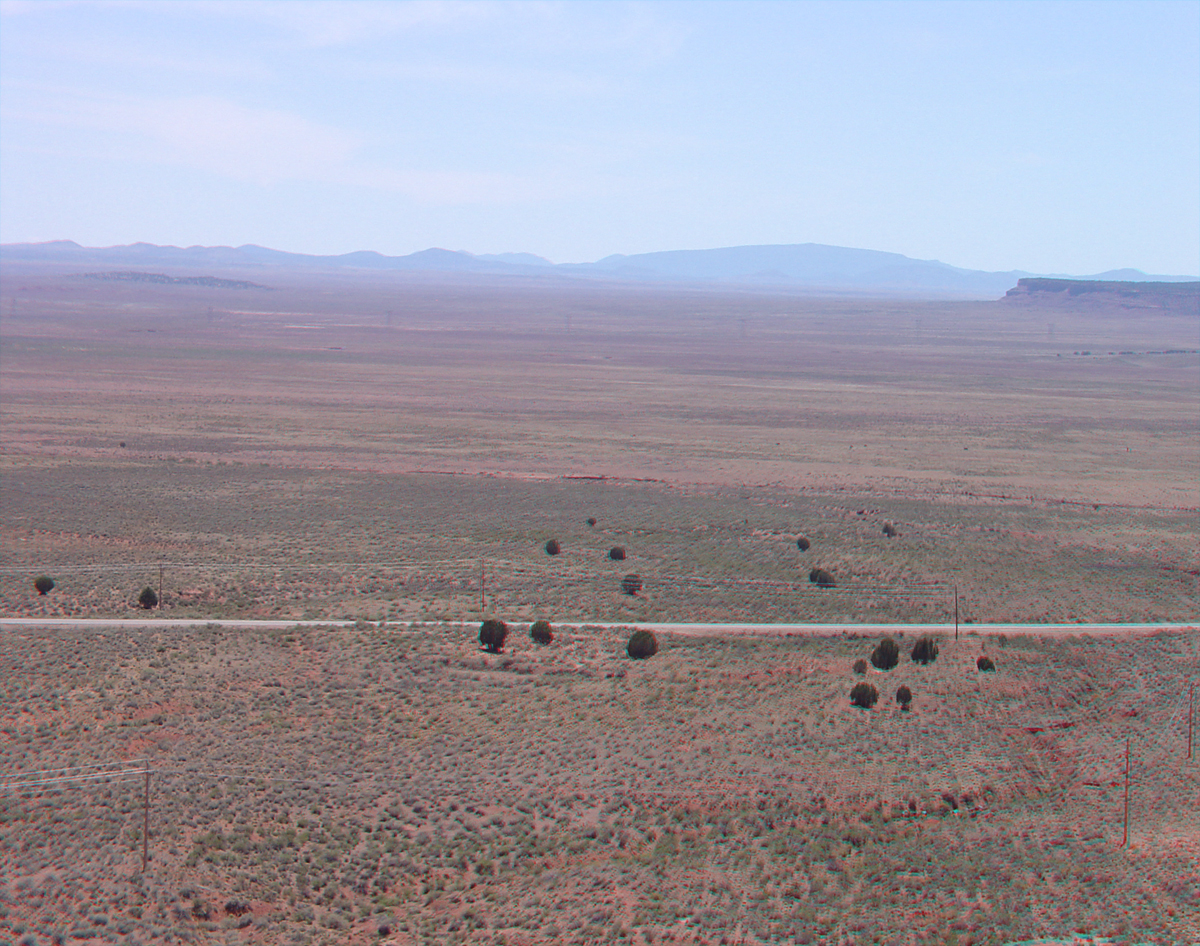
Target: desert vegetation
x,y
822,578
864,695
541,632
924,651
631,584
885,655
237,541
329,783
642,645
43,585
406,783
492,635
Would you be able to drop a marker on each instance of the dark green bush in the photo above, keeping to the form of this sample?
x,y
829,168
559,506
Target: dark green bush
x,y
552,547
642,644
802,543
147,599
985,664
492,634
886,654
904,697
44,584
542,632
890,530
925,651
631,584
616,553
591,520
860,666
821,578
864,695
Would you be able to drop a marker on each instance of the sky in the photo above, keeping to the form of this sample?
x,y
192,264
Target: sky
x,y
1047,137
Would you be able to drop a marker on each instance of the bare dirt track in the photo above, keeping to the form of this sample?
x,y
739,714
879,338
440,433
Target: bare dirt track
x,y
386,460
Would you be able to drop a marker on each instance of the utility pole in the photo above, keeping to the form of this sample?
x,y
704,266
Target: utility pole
x,y
956,612
482,588
1191,697
146,823
1125,839
160,577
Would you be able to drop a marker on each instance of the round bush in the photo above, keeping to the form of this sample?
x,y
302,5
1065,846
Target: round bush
x,y
492,634
924,651
591,520
860,666
642,644
541,632
890,530
631,584
886,654
904,697
821,578
616,553
552,547
864,695
985,664
44,584
802,543
147,599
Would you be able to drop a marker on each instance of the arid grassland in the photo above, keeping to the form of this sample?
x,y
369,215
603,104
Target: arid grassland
x,y
265,542
391,451
319,785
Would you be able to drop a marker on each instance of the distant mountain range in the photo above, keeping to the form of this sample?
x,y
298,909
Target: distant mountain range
x,y
811,267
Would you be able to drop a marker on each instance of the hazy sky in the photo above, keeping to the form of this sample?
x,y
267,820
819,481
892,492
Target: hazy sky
x,y
1049,137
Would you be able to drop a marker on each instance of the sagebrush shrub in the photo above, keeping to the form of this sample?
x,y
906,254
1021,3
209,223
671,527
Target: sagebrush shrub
x,y
492,634
886,654
148,599
617,553
44,584
985,664
860,666
802,543
890,530
631,584
542,632
642,644
591,520
552,547
925,651
904,697
821,578
864,695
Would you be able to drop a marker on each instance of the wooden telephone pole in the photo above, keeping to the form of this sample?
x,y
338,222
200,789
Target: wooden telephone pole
x,y
1191,697
146,823
1125,838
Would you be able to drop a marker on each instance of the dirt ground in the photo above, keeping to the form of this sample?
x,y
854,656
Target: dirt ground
x,y
336,782
403,450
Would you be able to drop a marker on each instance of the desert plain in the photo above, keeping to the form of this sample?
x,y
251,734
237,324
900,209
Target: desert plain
x,y
396,452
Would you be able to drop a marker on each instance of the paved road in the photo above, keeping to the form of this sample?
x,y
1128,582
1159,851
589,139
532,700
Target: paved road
x,y
687,630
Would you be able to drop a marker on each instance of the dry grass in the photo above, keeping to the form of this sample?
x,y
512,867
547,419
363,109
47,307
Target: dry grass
x,y
337,781
264,542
